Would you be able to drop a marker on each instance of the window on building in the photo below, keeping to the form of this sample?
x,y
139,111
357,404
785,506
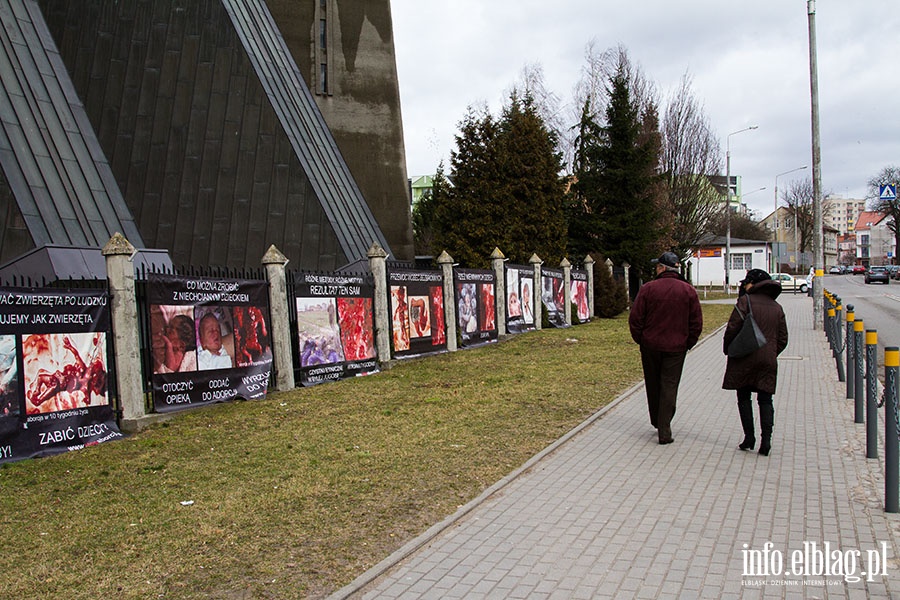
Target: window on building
x,y
322,48
741,262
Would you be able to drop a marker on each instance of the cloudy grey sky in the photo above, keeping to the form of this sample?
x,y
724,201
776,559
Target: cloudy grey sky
x,y
749,62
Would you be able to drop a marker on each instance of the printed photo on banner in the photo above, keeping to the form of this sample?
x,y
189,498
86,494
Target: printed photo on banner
x,y
553,296
209,340
579,293
417,312
336,336
475,306
54,373
519,298
9,377
63,371
215,337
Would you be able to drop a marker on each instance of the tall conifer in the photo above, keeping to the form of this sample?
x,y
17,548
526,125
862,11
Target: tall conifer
x,y
506,189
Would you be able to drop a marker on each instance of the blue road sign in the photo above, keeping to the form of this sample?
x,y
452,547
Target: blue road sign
x,y
887,192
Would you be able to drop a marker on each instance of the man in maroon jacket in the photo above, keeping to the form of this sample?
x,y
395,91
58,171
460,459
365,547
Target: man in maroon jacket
x,y
666,321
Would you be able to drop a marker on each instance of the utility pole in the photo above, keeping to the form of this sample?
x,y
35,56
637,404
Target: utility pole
x,y
819,238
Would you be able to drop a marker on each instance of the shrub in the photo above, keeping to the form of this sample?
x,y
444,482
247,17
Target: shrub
x,y
610,296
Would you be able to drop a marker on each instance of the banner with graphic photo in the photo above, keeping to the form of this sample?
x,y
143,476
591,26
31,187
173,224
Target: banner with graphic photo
x,y
210,340
579,293
417,312
553,296
519,298
54,373
476,309
335,316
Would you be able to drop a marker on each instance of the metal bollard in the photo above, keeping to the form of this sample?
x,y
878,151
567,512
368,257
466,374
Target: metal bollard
x,y
850,358
829,327
871,393
838,347
891,431
859,380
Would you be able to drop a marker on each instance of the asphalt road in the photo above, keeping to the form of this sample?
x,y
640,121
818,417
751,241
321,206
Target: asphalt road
x,y
877,304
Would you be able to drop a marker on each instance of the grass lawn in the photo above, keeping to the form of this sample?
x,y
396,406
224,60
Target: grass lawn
x,y
296,495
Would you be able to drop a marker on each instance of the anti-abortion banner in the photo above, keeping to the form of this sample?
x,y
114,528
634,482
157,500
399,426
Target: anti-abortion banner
x,y
335,326
210,340
519,298
553,296
476,309
53,372
579,293
417,312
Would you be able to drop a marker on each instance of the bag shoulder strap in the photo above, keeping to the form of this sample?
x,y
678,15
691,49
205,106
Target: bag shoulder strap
x,y
749,308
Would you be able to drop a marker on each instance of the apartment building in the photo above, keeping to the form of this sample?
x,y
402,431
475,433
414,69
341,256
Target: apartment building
x,y
842,213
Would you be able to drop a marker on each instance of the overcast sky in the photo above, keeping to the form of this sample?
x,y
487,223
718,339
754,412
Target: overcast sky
x,y
749,61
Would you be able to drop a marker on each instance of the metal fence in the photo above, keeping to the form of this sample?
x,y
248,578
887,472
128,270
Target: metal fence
x,y
860,348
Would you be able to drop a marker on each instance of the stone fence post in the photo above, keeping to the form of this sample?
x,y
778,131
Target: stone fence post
x,y
497,260
536,262
567,288
589,267
627,268
275,263
377,264
123,314
446,263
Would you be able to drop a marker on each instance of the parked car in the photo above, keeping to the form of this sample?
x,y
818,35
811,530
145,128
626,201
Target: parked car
x,y
859,270
878,273
892,270
836,270
789,283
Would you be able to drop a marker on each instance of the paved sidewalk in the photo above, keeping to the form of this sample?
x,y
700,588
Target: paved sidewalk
x,y
608,513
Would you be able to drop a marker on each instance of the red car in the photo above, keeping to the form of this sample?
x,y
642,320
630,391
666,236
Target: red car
x,y
859,270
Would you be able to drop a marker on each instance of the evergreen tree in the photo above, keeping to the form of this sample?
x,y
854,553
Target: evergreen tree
x,y
617,180
610,298
423,214
506,189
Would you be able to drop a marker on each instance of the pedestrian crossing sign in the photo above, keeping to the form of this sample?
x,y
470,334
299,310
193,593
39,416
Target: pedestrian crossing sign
x,y
887,192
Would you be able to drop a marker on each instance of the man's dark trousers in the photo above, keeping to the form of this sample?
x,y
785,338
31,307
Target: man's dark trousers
x,y
662,374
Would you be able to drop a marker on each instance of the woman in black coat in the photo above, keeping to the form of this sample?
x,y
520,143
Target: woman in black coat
x,y
758,371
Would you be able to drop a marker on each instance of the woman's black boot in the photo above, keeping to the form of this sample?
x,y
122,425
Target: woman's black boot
x,y
745,408
766,423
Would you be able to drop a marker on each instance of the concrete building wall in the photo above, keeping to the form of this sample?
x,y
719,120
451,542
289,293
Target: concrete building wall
x,y
353,77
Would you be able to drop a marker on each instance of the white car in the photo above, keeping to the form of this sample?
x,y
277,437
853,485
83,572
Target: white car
x,y
789,283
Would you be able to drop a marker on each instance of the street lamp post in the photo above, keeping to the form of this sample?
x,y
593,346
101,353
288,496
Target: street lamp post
x,y
775,216
728,204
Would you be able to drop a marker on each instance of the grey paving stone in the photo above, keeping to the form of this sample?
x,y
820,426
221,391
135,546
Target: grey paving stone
x,y
608,513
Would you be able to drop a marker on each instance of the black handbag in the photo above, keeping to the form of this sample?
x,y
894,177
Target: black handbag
x,y
750,338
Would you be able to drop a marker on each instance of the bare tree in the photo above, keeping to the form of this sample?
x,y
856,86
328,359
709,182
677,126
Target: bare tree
x,y
889,207
592,89
690,154
548,105
799,200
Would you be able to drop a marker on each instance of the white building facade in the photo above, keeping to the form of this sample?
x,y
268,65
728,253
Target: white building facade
x,y
706,267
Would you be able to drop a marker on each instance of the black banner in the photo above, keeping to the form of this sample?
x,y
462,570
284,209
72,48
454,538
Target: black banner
x,y
519,298
54,395
476,310
417,312
210,340
553,296
335,326
579,293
